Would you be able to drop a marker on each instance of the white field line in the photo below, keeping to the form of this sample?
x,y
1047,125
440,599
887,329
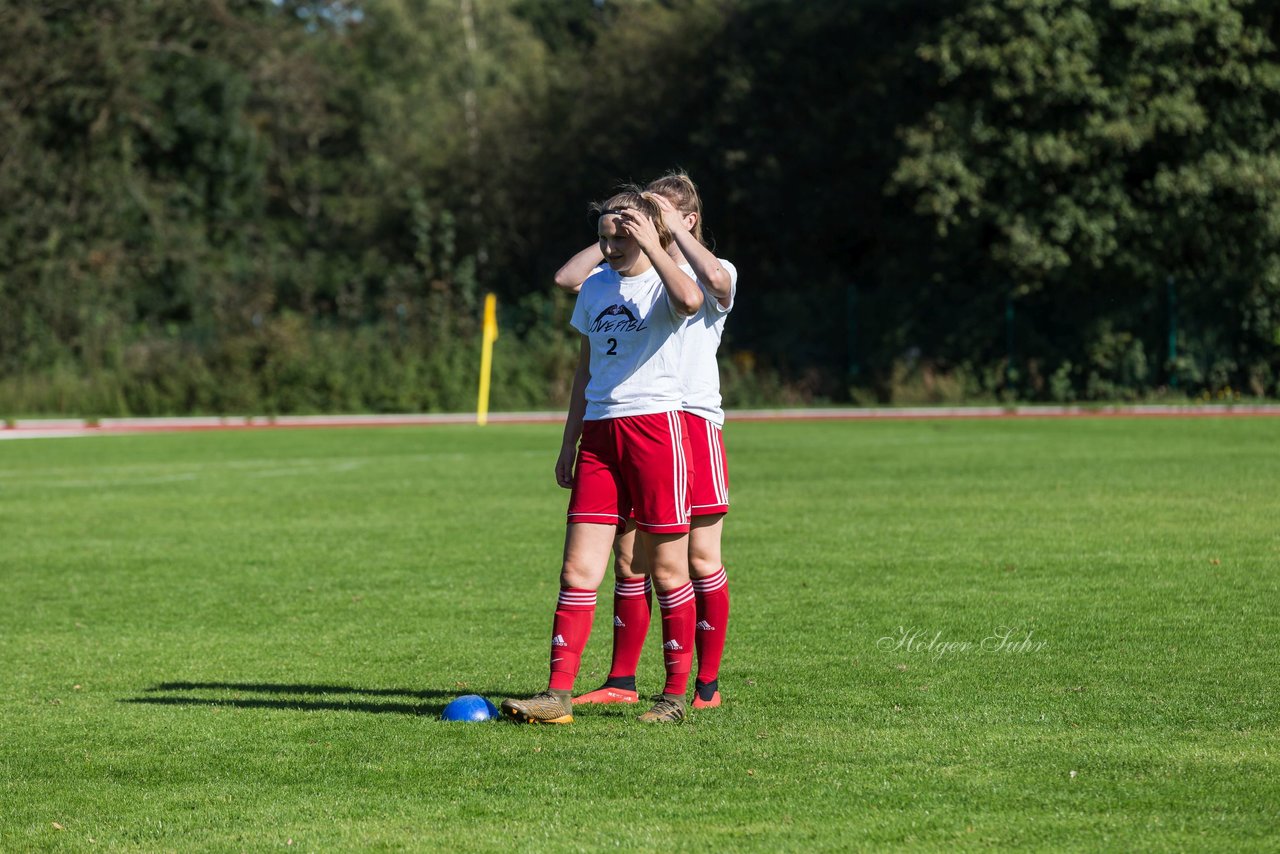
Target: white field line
x,y
29,433
73,427
73,477
246,468
256,472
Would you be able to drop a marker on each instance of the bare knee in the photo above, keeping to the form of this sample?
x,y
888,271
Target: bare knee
x,y
586,555
702,566
578,575
670,577
625,564
668,560
704,546
628,558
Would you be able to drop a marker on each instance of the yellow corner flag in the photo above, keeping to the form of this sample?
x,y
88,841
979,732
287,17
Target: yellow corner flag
x,y
486,356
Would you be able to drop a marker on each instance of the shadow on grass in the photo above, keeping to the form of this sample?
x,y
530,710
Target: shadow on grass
x,y
433,701
280,688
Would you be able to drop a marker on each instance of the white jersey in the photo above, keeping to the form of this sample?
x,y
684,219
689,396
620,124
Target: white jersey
x,y
700,374
634,332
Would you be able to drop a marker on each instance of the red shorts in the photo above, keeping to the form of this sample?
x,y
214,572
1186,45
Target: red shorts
x,y
635,466
709,473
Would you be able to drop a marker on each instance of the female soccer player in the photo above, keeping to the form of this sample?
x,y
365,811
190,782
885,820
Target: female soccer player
x,y
632,458
681,205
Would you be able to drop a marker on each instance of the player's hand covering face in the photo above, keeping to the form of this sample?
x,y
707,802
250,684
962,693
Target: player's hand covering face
x,y
619,247
644,230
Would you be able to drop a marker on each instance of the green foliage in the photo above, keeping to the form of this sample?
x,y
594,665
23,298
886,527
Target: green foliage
x,y
1093,149
238,208
1041,196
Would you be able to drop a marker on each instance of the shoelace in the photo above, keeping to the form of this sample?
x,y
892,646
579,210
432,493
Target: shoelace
x,y
663,706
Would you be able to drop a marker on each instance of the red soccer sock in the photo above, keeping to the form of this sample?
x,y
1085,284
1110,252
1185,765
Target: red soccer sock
x,y
631,611
569,632
712,597
678,616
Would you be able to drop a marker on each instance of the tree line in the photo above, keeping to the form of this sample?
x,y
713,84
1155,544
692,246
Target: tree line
x,y
285,206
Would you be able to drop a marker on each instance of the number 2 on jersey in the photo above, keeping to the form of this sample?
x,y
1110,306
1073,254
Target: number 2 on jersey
x,y
613,347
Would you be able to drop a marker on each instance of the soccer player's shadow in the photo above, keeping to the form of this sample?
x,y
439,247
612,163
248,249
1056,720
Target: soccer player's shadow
x,y
302,697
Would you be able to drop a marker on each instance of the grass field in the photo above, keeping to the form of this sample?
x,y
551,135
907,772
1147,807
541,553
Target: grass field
x,y
242,641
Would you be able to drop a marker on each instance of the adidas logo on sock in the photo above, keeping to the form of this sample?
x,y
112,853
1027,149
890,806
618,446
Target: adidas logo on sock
x,y
617,622
673,645
558,640
704,626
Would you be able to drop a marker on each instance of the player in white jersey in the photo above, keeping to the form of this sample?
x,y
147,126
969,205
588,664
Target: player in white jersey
x,y
625,451
704,418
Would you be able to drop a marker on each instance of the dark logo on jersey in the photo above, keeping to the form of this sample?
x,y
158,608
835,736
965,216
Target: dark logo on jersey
x,y
617,318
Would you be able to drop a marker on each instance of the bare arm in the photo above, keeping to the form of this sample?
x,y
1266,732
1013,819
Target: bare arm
x,y
573,422
705,265
570,277
683,291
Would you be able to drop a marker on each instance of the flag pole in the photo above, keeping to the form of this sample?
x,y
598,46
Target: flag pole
x,y
489,335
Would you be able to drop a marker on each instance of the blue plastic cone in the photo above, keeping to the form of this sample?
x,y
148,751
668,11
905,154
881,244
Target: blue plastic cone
x,y
471,707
